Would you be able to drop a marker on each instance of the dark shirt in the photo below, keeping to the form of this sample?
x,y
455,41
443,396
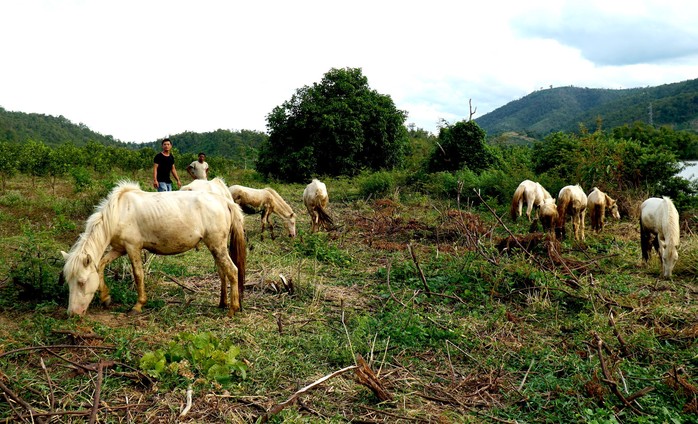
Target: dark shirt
x,y
165,164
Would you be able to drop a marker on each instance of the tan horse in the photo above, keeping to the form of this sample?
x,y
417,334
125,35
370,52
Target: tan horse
x,y
269,201
548,214
660,218
129,220
597,203
571,200
315,199
532,193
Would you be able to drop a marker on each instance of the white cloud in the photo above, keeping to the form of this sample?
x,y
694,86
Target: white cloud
x,y
141,70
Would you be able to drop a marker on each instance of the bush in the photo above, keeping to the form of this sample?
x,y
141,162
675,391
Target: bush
x,y
35,272
377,184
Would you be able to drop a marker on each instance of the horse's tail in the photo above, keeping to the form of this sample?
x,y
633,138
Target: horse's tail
x,y
595,215
645,241
517,202
238,246
324,219
562,206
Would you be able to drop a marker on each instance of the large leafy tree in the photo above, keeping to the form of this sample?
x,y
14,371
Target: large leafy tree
x,y
339,126
461,145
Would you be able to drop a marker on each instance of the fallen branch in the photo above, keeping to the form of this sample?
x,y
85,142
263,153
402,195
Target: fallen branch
x,y
12,395
419,268
279,407
608,379
98,392
369,379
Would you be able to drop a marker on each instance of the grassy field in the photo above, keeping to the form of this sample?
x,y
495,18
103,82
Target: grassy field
x,y
455,325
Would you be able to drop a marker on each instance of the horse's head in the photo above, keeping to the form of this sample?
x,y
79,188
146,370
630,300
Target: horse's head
x,y
669,258
291,225
614,209
80,272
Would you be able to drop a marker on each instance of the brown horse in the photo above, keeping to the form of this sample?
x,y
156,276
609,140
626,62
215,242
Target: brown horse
x,y
597,203
269,201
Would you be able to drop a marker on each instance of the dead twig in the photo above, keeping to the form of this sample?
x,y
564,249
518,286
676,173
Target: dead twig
x,y
613,384
98,391
419,268
279,407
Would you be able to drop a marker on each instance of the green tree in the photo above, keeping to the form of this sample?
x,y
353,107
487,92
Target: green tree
x,y
459,145
339,126
10,159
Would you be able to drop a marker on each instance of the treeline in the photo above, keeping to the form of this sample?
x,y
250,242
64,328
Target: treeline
x,y
239,146
37,159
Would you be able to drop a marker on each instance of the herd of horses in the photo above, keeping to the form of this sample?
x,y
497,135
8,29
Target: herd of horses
x,y
129,220
659,219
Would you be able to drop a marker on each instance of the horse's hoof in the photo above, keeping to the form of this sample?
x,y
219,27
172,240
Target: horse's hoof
x,y
107,301
134,311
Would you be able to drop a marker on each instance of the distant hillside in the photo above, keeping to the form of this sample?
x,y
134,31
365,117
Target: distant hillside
x,y
52,131
565,108
19,127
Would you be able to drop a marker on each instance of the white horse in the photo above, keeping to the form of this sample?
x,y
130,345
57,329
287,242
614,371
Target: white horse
x,y
165,223
216,185
269,201
660,218
597,203
532,193
315,198
571,200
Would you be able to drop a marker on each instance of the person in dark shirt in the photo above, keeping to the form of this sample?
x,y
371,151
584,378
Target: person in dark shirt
x,y
164,164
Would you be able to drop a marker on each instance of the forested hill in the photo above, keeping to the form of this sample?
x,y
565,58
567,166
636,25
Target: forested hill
x,y
20,127
565,108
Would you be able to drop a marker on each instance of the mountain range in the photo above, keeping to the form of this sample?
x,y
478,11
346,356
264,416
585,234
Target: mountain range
x,y
566,108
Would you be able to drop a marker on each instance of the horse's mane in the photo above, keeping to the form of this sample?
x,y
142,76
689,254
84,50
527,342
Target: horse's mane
x,y
280,203
671,225
98,226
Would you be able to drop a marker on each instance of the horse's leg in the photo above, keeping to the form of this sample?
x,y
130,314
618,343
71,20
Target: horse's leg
x,y
582,218
227,271
108,258
134,254
269,222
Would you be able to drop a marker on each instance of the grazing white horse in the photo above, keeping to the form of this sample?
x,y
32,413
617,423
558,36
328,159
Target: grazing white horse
x,y
269,201
660,218
532,193
597,203
166,223
315,198
571,200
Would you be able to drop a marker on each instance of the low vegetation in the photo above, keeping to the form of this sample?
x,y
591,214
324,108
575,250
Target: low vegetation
x,y
460,316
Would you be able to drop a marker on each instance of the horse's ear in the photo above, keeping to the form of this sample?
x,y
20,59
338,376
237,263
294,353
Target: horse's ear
x,y
87,261
65,255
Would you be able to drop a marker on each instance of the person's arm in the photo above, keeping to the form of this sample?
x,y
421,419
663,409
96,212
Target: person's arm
x,y
174,172
155,175
189,170
206,171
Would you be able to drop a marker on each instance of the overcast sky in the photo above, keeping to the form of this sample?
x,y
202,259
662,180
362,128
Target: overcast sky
x,y
140,70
